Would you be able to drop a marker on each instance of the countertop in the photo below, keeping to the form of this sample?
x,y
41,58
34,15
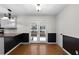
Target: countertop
x,y
9,34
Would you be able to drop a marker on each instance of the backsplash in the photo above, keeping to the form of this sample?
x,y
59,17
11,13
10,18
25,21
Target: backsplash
x,y
10,30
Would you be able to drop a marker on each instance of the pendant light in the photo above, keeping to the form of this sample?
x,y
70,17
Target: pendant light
x,y
38,7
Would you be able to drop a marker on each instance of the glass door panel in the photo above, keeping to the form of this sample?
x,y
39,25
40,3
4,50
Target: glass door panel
x,y
34,33
42,33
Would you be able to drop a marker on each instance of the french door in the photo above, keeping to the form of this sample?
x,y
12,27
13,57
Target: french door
x,y
38,32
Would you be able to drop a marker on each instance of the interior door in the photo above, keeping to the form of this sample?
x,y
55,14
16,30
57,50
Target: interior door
x,y
38,33
34,33
43,33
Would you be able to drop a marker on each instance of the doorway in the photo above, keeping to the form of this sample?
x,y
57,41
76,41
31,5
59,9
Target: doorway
x,y
38,32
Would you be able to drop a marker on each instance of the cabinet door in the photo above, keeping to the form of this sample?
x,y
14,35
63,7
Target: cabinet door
x,y
25,37
51,37
8,23
9,43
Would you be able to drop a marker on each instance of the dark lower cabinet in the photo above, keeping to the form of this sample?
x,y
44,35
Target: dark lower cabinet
x,y
25,37
11,41
8,43
51,37
71,44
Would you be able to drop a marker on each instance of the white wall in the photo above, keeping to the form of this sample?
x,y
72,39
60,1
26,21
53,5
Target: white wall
x,y
67,22
23,23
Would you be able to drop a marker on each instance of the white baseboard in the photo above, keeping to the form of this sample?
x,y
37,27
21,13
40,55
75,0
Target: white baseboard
x,y
12,49
66,51
52,43
38,43
24,42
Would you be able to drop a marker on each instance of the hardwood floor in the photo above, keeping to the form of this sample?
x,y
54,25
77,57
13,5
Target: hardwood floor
x,y
38,49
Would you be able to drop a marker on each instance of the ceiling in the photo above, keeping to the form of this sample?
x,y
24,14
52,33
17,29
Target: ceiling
x,y
29,9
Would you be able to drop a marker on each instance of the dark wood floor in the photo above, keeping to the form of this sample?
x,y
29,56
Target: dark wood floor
x,y
38,49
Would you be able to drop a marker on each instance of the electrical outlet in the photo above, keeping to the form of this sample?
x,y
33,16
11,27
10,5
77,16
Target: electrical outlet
x,y
76,51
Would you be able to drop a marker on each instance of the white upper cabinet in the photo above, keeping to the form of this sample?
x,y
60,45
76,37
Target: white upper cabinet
x,y
8,23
